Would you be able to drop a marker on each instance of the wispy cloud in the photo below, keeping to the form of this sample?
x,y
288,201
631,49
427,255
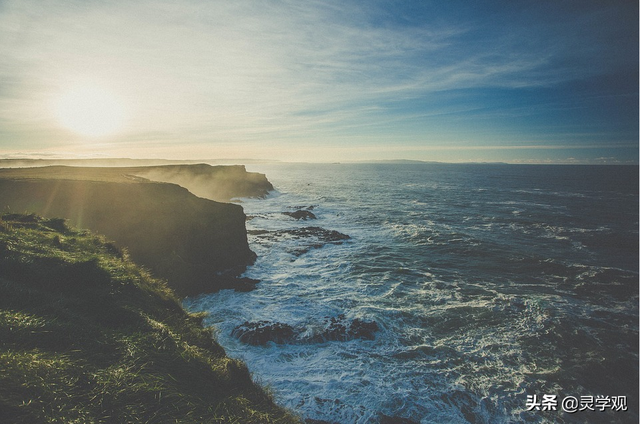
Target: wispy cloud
x,y
210,71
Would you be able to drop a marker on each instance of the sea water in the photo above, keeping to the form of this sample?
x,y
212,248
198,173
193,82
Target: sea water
x,y
492,286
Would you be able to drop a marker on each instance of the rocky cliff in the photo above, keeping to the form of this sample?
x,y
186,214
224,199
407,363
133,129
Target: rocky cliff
x,y
197,244
220,183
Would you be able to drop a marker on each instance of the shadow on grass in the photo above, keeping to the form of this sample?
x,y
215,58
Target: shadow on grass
x,y
88,336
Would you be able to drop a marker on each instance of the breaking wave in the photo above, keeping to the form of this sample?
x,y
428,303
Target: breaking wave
x,y
455,293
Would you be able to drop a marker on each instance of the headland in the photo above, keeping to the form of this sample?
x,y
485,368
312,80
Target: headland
x,y
197,244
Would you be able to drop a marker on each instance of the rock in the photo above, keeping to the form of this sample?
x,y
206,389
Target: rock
x,y
326,236
365,330
387,419
316,237
310,237
340,329
261,332
301,215
464,401
245,284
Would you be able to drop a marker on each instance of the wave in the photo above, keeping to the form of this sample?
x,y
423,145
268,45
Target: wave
x,y
475,306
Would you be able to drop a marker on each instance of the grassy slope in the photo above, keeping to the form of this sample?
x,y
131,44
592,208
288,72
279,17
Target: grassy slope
x,y
87,336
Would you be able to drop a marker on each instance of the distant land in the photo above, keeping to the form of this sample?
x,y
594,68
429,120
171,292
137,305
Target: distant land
x,y
119,162
126,162
395,161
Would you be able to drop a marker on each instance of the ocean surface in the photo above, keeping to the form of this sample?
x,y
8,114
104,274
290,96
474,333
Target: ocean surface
x,y
464,293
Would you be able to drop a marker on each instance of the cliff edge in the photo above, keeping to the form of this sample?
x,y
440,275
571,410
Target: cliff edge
x,y
88,336
197,244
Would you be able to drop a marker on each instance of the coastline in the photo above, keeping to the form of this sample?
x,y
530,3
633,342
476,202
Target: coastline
x,y
315,305
196,243
89,336
490,267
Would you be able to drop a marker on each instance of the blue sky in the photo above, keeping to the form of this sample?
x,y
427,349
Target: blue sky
x,y
457,81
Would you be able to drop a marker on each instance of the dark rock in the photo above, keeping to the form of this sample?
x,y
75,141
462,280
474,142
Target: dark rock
x,y
327,236
261,332
366,330
340,329
301,214
316,237
387,419
337,328
245,284
260,233
310,237
464,402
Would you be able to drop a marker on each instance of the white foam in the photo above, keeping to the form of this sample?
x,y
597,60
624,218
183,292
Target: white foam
x,y
449,333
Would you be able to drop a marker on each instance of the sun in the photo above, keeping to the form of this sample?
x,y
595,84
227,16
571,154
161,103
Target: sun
x,y
90,111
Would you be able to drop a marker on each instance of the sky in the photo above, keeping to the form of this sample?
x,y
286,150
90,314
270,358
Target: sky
x,y
456,81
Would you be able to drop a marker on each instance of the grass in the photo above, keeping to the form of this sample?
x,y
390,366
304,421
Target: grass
x,y
87,336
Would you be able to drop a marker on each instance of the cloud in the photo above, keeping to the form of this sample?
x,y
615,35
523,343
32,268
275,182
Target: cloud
x,y
214,71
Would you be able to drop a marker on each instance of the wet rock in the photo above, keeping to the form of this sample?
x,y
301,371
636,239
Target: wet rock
x,y
245,284
259,233
261,332
301,214
312,421
464,402
365,330
387,419
310,237
316,237
341,329
327,236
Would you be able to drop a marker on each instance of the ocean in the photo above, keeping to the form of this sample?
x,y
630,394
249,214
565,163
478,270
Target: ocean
x,y
441,293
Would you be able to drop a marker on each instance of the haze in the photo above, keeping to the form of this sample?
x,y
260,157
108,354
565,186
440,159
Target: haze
x,y
520,82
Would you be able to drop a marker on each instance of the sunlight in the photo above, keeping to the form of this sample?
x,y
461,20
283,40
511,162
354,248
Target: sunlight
x,y
90,110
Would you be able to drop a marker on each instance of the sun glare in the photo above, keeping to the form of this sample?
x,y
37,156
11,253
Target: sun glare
x,y
90,111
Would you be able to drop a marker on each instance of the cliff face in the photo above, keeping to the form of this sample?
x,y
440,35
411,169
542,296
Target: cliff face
x,y
198,245
221,183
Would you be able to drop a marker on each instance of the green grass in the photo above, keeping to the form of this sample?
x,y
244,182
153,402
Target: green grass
x,y
86,336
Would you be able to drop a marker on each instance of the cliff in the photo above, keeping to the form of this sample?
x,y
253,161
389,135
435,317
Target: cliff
x,y
197,244
88,336
220,183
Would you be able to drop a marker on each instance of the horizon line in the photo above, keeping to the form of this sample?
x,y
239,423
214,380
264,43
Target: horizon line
x,y
243,161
